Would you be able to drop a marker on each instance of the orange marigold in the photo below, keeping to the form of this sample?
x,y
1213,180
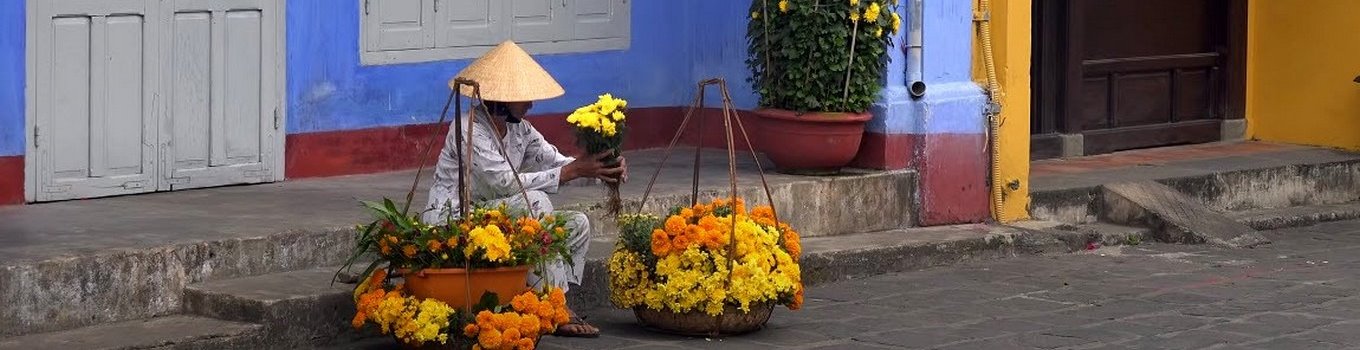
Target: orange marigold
x,y
409,250
661,244
434,245
680,243
797,298
675,225
470,331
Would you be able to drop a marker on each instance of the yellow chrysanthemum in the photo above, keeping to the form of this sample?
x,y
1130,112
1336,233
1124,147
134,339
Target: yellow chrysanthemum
x,y
854,15
896,23
871,13
854,2
755,15
783,6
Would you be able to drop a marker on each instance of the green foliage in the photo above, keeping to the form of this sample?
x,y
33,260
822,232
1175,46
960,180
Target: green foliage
x,y
799,56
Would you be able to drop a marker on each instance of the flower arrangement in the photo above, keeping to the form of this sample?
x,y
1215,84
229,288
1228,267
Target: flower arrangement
x,y
681,264
424,322
820,56
486,238
600,127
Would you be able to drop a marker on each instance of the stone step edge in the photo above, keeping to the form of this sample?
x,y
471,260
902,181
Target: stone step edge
x,y
174,266
169,332
827,259
1298,216
1081,204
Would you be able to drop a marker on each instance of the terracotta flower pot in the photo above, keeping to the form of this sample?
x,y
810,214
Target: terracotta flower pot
x,y
812,142
697,323
450,285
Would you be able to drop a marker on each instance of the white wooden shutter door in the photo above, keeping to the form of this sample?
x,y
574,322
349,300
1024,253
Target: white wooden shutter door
x,y
399,24
539,21
600,19
462,23
94,114
220,83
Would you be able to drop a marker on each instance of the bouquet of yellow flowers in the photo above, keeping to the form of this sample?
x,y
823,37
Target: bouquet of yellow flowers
x,y
681,264
600,128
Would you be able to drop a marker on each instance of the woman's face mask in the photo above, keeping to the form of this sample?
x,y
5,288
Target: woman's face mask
x,y
516,111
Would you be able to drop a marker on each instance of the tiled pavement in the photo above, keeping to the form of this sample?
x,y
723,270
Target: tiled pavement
x,y
1297,293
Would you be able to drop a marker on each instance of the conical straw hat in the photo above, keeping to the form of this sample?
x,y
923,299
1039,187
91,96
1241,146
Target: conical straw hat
x,y
508,74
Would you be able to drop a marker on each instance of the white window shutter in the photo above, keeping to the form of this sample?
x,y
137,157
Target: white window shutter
x,y
464,23
600,19
399,24
533,21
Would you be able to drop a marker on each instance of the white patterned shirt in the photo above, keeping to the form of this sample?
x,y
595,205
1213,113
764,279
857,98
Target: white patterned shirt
x,y
538,162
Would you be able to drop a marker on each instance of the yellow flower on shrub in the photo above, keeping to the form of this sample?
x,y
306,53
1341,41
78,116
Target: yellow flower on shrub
x,y
896,22
871,13
854,2
854,15
783,6
755,15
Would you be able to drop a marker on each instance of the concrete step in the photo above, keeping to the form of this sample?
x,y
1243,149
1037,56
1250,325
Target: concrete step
x,y
297,308
1228,184
1101,233
304,303
170,332
1307,215
1173,216
105,281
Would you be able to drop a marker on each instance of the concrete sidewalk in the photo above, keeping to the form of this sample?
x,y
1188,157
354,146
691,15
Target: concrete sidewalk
x,y
82,227
73,264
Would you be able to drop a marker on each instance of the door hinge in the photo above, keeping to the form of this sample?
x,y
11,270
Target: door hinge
x,y
436,5
179,180
277,119
366,7
132,185
35,137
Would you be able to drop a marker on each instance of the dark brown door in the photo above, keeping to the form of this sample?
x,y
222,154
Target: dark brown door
x,y
1134,73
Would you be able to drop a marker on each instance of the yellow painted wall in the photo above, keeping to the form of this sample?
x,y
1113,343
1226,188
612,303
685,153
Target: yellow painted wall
x,y
1302,58
1011,49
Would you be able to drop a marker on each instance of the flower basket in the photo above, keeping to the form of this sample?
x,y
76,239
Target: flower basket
x,y
711,268
731,322
454,286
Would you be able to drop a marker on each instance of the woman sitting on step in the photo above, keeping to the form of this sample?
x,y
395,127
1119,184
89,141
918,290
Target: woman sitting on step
x,y
510,81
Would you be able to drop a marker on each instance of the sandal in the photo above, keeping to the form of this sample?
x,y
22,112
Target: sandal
x,y
579,323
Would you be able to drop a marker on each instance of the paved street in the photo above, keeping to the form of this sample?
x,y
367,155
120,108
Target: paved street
x,y
1298,293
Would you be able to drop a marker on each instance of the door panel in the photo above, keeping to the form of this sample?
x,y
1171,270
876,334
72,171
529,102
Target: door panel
x,y
94,117
221,123
1116,69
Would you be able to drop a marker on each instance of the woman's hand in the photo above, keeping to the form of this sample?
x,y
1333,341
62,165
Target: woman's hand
x,y
593,166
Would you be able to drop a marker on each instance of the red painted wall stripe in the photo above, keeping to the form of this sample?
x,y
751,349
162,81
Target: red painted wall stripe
x,y
12,180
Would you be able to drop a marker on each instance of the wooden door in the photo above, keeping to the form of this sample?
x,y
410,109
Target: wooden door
x,y
1130,74
223,113
92,76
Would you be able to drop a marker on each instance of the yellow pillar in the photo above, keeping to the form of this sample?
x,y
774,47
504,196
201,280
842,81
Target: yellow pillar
x,y
1011,49
1302,60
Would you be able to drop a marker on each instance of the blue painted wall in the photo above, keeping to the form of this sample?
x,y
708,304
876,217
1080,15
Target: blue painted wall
x,y
674,44
953,103
11,77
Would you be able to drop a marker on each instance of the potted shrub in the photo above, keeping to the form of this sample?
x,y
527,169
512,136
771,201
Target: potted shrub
x,y
691,274
458,284
818,66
